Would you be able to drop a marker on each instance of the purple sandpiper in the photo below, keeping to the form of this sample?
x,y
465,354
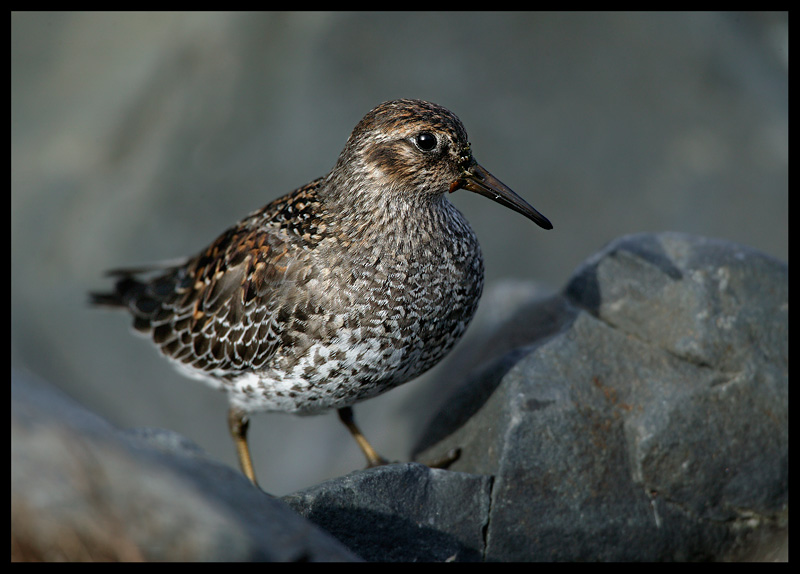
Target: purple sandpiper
x,y
341,290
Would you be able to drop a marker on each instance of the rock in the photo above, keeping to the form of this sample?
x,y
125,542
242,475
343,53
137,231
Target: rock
x,y
83,490
402,512
640,415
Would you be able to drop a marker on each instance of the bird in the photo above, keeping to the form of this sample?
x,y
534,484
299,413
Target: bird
x,y
341,290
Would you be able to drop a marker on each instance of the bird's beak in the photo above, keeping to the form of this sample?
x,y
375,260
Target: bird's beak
x,y
478,180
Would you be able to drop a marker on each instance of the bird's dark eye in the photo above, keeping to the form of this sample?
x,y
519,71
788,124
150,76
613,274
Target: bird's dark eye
x,y
425,141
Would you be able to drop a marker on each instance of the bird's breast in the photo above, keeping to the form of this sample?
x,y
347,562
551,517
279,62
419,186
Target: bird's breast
x,y
387,308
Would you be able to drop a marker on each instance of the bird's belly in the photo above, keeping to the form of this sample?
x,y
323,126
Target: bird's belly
x,y
386,347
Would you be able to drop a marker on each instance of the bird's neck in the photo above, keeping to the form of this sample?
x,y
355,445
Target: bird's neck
x,y
398,218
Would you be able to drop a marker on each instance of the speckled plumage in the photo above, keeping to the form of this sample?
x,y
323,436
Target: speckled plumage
x,y
341,290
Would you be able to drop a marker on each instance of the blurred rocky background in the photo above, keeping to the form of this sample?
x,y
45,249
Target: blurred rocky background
x,y
140,137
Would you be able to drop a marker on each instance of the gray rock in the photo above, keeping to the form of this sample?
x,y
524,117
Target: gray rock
x,y
83,490
641,415
402,512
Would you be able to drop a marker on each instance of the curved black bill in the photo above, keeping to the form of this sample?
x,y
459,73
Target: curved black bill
x,y
478,180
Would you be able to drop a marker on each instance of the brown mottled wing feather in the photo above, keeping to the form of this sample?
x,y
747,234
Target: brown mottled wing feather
x,y
220,316
216,312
